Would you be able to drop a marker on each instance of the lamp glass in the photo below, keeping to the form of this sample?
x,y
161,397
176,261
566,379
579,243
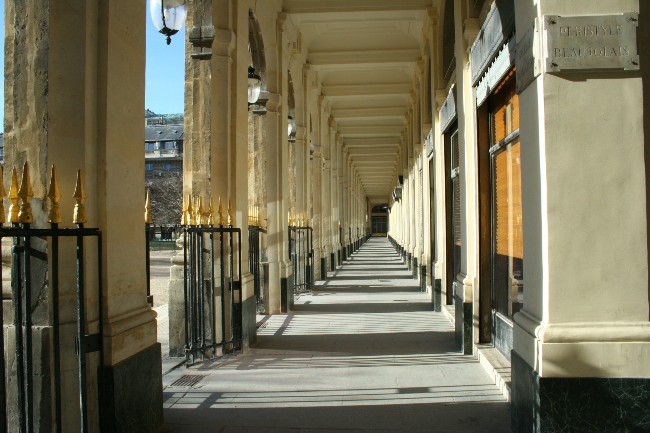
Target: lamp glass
x,y
168,16
254,86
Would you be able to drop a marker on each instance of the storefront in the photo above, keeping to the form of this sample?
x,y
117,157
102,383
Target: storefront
x,y
499,150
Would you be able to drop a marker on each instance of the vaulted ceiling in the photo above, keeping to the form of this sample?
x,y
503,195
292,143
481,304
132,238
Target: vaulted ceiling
x,y
365,53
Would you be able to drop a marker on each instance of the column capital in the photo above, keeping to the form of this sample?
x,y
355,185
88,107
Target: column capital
x,y
224,43
471,29
273,103
301,132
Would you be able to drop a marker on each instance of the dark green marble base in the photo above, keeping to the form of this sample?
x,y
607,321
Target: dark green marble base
x,y
463,325
332,262
286,289
437,295
502,334
132,399
249,311
423,279
408,260
415,268
339,256
577,405
323,269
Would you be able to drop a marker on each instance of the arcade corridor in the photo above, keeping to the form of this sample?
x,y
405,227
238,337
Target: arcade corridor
x,y
364,351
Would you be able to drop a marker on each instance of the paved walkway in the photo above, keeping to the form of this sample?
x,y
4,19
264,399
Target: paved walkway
x,y
363,352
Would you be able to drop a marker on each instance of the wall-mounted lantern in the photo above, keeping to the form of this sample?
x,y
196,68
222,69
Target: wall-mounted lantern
x,y
254,85
168,16
291,126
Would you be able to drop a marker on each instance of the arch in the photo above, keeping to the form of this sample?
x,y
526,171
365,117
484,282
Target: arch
x,y
447,41
256,44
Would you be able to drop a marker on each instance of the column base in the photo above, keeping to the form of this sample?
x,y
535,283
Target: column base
x,y
286,285
415,267
437,295
423,279
463,325
323,268
249,322
332,262
579,405
132,397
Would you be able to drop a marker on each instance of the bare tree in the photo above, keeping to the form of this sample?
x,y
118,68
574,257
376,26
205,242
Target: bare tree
x,y
166,194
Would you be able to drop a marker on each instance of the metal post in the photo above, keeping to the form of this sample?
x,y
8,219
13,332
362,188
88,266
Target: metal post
x,y
3,391
16,284
81,330
186,294
147,228
55,330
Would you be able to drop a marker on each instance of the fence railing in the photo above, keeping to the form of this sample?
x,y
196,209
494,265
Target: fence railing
x,y
254,259
38,283
301,253
212,257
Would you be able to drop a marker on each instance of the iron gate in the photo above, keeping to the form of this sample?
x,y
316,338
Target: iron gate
x,y
204,249
254,249
35,258
301,252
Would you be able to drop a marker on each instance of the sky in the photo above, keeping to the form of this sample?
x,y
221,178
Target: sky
x,y
165,70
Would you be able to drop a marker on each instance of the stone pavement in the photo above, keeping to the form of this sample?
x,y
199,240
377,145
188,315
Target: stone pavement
x,y
363,352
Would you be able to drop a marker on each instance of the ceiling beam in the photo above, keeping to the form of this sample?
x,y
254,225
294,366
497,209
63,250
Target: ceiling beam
x,y
372,142
322,58
352,90
395,131
366,113
328,6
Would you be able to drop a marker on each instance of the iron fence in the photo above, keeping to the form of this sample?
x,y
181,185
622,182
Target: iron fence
x,y
23,250
254,249
205,248
301,253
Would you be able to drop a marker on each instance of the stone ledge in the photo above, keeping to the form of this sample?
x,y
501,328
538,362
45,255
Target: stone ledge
x,y
497,366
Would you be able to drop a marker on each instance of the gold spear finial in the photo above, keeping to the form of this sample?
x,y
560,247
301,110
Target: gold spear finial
x,y
79,214
231,219
184,220
191,216
222,222
13,196
210,213
3,193
54,211
25,193
147,209
200,213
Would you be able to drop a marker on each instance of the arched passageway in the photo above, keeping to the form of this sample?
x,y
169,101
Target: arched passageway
x,y
514,172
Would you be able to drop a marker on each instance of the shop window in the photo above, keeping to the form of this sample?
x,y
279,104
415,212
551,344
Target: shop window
x,y
506,208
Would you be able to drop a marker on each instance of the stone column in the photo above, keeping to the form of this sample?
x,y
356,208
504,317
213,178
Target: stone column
x,y
317,170
275,207
466,31
69,103
583,335
300,170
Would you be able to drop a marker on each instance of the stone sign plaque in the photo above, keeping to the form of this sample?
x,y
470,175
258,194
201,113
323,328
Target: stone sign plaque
x,y
527,57
591,42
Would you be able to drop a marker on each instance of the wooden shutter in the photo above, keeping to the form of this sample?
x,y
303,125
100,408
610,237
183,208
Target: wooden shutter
x,y
455,180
